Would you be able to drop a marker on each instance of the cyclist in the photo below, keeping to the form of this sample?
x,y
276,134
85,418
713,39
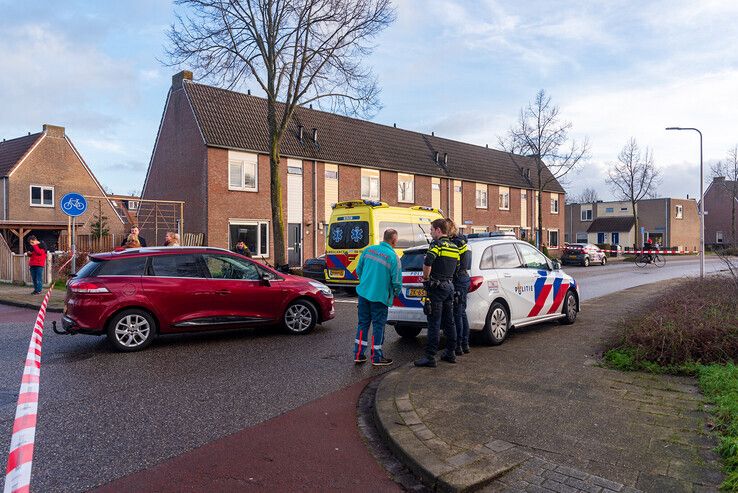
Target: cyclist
x,y
648,257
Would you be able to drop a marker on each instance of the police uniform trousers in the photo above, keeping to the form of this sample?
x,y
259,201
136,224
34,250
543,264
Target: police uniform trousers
x,y
441,296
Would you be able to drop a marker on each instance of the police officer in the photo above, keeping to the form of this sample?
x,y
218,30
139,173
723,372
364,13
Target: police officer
x,y
439,267
461,288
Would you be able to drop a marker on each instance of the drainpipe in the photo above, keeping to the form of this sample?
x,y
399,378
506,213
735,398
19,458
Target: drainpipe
x,y
666,222
448,198
315,208
5,198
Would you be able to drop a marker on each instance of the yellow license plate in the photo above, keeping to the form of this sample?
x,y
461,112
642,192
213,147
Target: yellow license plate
x,y
337,273
416,292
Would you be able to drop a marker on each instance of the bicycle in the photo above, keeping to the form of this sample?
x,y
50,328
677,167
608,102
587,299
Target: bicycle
x,y
644,259
73,203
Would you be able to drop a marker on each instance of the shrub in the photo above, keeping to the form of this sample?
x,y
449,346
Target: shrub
x,y
695,323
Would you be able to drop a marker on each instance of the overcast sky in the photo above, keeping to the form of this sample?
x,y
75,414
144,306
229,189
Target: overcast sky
x,y
461,68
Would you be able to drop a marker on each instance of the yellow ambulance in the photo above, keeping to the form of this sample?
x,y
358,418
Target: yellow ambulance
x,y
356,224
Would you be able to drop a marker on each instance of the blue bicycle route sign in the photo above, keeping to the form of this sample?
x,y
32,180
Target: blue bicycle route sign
x,y
73,204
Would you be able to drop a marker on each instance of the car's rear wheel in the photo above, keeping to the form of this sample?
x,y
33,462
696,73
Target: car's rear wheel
x,y
131,330
585,262
408,331
300,317
570,309
604,260
497,326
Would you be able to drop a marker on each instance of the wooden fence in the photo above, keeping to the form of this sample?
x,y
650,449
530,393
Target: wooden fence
x,y
87,244
14,267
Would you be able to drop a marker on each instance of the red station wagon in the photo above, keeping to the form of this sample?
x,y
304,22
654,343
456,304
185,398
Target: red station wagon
x,y
134,295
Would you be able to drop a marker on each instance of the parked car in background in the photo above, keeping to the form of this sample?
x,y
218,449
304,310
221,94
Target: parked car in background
x,y
583,254
314,268
134,295
512,285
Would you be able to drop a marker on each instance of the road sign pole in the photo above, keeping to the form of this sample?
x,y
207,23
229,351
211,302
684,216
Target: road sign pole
x,y
74,245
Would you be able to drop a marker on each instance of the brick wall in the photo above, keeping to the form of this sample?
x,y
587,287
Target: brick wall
x,y
685,232
53,162
349,183
178,168
718,198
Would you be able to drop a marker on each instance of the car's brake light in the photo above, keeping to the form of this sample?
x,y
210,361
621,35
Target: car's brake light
x,y
476,283
87,287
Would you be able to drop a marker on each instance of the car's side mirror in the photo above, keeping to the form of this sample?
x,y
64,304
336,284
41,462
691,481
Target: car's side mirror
x,y
555,265
266,279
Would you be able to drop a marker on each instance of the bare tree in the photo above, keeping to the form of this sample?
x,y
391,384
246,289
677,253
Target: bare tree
x,y
540,133
729,170
587,196
633,177
297,51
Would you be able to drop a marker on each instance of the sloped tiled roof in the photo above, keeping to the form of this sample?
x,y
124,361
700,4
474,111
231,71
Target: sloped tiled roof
x,y
238,121
11,151
608,224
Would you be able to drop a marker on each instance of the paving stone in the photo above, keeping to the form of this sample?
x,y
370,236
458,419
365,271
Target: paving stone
x,y
558,487
404,405
554,476
463,458
411,418
499,445
422,432
606,483
583,486
574,473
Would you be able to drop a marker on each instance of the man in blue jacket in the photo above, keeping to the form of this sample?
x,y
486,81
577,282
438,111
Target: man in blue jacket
x,y
380,280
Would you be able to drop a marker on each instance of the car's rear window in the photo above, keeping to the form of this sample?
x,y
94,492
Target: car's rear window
x,y
123,267
412,261
348,235
88,270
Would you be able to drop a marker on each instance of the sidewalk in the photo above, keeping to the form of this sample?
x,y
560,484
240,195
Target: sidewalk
x,y
537,414
11,294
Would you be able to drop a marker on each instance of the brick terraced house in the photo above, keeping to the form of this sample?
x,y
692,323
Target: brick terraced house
x,y
720,197
671,222
36,171
212,151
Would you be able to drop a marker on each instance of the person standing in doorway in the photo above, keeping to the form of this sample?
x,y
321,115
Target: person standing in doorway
x,y
380,280
439,267
171,239
242,249
36,263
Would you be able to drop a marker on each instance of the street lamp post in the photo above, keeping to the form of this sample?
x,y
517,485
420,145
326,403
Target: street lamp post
x,y
701,204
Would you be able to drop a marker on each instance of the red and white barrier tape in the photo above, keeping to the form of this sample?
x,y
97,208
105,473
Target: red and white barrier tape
x,y
20,459
638,252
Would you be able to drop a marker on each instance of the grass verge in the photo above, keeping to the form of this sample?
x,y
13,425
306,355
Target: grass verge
x,y
692,330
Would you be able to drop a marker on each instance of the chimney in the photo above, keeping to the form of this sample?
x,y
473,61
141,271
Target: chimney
x,y
300,130
394,125
315,135
719,178
53,130
179,78
433,134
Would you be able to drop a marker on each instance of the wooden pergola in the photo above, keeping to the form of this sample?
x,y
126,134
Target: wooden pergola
x,y
156,216
20,229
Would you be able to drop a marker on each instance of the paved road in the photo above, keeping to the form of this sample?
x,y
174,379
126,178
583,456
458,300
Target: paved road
x,y
104,414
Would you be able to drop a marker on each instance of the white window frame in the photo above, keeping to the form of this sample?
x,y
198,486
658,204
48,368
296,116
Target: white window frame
x,y
133,205
371,176
406,178
554,203
679,212
558,239
719,237
580,234
481,196
258,224
504,203
582,216
244,160
42,188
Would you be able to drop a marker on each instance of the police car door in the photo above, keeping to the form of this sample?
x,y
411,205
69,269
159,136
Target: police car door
x,y
540,282
511,278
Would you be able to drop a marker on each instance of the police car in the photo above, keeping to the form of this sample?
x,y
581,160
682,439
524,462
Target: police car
x,y
512,285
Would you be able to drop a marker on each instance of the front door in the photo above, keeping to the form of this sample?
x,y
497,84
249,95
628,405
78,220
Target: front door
x,y
294,244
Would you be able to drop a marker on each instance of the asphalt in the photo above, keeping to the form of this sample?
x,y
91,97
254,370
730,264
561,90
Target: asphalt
x,y
539,414
104,415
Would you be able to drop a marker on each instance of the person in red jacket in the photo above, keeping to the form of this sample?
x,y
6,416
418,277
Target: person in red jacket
x,y
36,262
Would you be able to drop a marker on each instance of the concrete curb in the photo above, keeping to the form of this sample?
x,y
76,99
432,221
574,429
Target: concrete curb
x,y
441,466
22,304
